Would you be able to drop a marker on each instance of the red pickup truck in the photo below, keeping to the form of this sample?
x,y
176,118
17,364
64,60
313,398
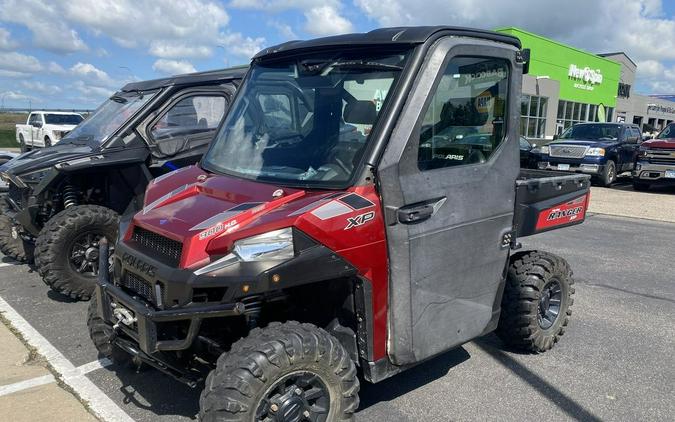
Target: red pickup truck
x,y
656,161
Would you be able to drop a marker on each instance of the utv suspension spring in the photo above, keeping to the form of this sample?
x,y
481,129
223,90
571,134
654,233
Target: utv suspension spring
x,y
69,196
253,306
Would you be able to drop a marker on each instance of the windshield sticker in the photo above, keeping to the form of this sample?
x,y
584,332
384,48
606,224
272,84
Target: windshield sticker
x,y
171,173
360,220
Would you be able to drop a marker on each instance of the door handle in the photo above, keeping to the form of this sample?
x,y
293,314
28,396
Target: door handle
x,y
416,213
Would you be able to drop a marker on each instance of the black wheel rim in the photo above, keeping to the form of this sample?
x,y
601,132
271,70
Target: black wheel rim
x,y
83,254
300,396
550,303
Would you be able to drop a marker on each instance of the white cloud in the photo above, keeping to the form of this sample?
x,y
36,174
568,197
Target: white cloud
x,y
55,68
326,20
637,27
239,45
177,50
98,93
41,87
173,67
14,64
6,42
285,30
93,75
15,95
134,22
45,21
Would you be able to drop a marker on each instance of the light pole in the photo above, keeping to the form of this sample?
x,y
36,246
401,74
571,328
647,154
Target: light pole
x,y
227,62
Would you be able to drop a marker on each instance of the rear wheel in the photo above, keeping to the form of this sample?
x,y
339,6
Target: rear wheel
x,y
12,244
536,302
66,251
22,144
101,334
640,186
285,372
608,175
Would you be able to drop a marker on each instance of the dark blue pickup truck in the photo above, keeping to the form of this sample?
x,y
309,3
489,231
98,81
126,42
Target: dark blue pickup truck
x,y
602,150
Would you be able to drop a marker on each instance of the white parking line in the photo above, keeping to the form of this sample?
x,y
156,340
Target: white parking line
x,y
100,404
24,385
47,379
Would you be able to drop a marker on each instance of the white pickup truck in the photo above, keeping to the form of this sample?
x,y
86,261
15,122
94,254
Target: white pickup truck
x,y
45,128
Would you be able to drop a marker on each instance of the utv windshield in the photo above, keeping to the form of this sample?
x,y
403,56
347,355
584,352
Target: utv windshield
x,y
596,132
304,121
109,117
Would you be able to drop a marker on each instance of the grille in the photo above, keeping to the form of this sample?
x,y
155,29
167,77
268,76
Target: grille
x,y
661,157
138,286
162,248
567,151
16,194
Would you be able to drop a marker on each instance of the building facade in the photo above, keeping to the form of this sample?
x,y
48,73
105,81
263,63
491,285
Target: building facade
x,y
566,86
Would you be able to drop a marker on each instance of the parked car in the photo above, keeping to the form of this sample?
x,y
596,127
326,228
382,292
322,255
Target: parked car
x,y
45,128
63,199
656,161
602,150
287,258
527,160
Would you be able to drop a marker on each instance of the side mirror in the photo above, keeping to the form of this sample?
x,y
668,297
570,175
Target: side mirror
x,y
37,124
555,137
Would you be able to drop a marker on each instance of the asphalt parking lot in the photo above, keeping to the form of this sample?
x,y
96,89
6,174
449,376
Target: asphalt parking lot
x,y
615,362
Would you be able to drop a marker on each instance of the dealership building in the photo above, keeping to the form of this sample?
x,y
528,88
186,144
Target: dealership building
x,y
566,85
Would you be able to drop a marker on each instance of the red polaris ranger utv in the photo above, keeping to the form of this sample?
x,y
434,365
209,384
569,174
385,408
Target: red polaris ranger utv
x,y
357,209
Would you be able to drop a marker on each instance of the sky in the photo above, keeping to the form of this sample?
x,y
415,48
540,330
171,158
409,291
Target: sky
x,y
75,53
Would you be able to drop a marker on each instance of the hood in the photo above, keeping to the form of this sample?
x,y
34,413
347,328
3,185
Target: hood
x,y
666,143
208,212
583,142
43,158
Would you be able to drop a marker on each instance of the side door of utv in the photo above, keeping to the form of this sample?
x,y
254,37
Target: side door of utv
x,y
180,132
447,179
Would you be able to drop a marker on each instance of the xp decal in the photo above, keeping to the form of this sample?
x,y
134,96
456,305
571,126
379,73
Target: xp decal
x,y
360,220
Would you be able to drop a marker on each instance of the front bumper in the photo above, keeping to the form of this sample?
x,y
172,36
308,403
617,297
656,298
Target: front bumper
x,y
590,168
653,173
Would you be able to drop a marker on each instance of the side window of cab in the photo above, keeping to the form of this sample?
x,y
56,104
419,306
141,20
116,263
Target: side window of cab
x,y
190,116
465,121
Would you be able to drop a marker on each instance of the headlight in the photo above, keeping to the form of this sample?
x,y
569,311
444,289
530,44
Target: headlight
x,y
595,152
276,245
544,149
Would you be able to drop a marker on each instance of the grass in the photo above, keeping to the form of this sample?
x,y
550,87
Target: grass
x,y
8,123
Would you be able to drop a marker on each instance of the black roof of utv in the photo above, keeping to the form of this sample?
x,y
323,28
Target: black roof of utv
x,y
188,78
403,35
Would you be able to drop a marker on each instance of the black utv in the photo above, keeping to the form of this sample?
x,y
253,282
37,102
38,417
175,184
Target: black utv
x,y
63,199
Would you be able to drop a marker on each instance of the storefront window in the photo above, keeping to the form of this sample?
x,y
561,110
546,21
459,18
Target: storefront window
x,y
533,116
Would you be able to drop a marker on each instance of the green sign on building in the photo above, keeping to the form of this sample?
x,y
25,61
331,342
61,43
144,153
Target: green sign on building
x,y
584,77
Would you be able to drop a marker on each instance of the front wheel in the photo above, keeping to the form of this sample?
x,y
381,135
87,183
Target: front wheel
x,y
537,301
608,175
101,334
12,244
66,251
48,142
284,372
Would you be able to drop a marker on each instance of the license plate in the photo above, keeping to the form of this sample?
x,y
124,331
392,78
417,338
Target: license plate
x,y
670,174
563,167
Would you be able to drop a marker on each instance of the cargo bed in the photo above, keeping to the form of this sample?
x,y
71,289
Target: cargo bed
x,y
547,200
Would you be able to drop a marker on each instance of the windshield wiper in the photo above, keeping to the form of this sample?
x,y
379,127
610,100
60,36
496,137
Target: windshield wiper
x,y
322,68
